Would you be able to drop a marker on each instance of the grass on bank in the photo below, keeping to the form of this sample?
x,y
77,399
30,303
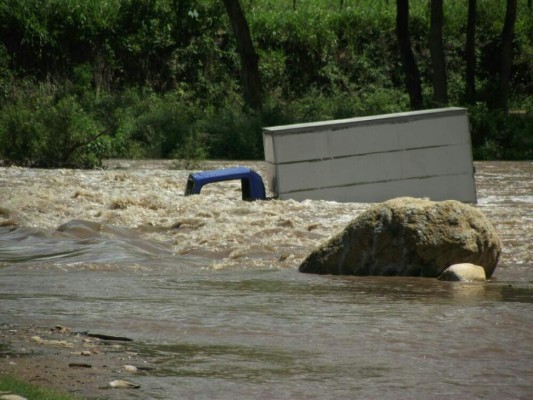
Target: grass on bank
x,y
19,387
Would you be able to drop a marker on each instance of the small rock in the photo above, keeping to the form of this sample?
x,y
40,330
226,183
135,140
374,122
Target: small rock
x,y
120,384
61,329
464,272
37,339
55,343
79,365
130,368
109,337
12,397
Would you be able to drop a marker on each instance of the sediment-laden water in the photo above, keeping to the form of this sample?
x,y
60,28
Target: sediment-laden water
x,y
208,287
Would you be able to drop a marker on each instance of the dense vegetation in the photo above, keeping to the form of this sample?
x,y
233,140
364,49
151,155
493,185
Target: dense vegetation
x,y
85,80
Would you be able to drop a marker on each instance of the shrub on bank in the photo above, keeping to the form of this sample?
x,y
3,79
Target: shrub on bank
x,y
42,127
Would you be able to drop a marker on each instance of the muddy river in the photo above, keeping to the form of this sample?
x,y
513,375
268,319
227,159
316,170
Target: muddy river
x,y
208,287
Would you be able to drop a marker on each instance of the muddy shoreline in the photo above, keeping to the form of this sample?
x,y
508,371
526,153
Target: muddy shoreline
x,y
71,362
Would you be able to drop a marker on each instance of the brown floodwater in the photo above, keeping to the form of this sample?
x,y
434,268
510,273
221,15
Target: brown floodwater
x,y
208,288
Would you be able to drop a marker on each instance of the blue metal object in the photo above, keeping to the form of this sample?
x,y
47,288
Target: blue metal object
x,y
253,187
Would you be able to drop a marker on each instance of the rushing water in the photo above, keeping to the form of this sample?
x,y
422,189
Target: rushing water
x,y
209,289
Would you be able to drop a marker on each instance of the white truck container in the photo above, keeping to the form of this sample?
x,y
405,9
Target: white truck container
x,y
372,159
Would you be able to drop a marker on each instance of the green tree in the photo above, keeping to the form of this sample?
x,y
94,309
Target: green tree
x,y
438,61
412,74
470,52
506,55
249,58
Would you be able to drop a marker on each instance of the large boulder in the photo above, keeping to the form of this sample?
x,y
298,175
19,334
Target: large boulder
x,y
409,237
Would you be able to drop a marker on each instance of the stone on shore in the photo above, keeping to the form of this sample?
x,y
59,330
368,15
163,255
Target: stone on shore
x,y
9,396
120,384
409,237
464,272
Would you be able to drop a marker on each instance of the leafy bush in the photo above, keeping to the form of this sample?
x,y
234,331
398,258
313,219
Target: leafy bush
x,y
191,152
499,136
232,133
42,127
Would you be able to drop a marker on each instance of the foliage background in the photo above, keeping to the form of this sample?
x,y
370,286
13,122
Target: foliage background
x,y
81,81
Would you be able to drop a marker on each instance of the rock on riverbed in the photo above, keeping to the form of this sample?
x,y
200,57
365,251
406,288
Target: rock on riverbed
x,y
409,237
464,273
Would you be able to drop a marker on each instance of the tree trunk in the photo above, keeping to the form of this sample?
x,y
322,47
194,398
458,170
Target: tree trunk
x,y
249,58
470,52
412,75
438,61
506,54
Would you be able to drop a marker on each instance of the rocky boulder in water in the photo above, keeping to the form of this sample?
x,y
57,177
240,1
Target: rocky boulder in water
x,y
409,237
464,273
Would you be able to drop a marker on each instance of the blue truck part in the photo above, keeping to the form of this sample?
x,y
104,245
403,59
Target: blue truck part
x,y
252,184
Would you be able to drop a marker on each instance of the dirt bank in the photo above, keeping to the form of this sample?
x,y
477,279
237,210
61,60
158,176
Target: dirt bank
x,y
78,363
